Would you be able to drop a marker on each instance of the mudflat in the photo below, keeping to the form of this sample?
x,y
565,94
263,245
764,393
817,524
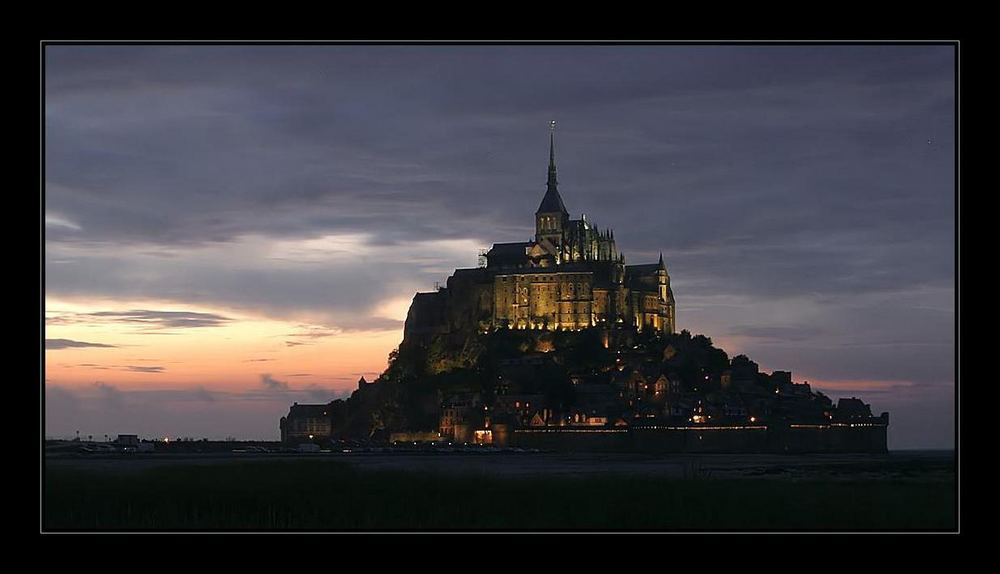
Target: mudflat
x,y
898,465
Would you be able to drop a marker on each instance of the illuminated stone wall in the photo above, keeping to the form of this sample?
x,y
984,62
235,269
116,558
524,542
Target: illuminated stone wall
x,y
543,300
476,300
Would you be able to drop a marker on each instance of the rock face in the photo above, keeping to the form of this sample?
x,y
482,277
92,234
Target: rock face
x,y
600,388
463,306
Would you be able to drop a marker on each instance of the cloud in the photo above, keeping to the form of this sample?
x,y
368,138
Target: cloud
x,y
315,332
163,319
863,386
56,221
307,333
148,321
144,369
131,368
272,384
96,367
53,344
777,332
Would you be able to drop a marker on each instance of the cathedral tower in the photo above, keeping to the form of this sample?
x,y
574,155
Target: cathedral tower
x,y
551,217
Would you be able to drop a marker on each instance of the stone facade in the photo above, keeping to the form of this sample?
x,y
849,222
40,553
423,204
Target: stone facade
x,y
571,277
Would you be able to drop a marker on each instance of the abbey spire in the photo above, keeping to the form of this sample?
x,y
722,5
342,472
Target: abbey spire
x,y
552,202
551,184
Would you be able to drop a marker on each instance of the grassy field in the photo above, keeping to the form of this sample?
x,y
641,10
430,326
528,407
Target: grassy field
x,y
327,495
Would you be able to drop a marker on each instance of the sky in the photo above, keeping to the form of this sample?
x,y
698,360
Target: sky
x,y
231,229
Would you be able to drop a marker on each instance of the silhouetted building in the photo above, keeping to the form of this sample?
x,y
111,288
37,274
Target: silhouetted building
x,y
306,423
127,440
852,408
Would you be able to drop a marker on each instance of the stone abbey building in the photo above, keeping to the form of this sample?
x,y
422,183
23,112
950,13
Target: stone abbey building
x,y
571,276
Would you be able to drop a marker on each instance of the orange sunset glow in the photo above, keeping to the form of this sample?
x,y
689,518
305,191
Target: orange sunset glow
x,y
229,356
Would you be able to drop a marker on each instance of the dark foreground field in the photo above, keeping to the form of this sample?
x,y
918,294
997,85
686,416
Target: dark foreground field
x,y
338,493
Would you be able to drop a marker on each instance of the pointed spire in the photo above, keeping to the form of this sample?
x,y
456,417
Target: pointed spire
x,y
552,202
552,155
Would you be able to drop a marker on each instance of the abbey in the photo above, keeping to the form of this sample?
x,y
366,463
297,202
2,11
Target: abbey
x,y
570,277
